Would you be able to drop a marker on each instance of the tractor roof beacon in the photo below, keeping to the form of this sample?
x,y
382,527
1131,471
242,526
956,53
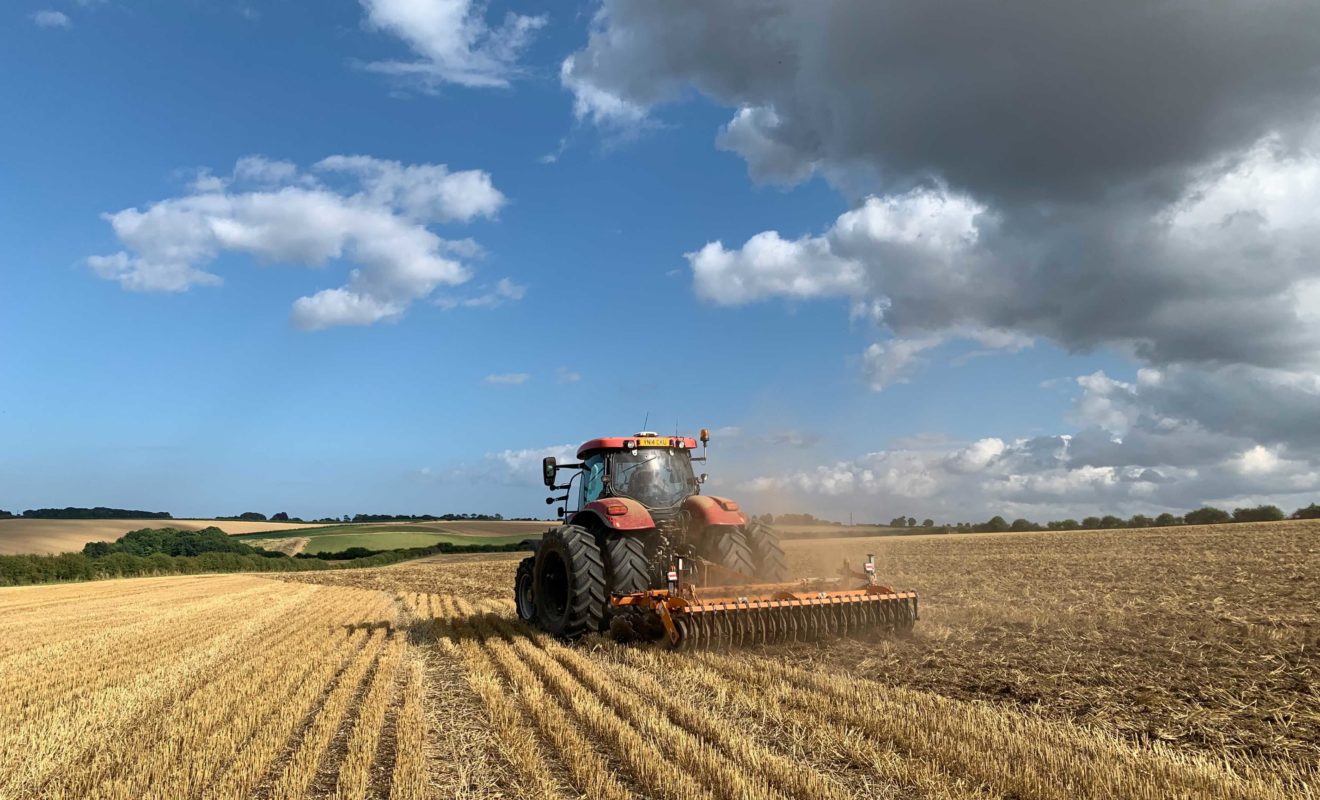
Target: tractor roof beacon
x,y
644,555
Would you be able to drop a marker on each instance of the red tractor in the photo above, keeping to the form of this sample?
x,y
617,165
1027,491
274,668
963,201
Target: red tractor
x,y
645,555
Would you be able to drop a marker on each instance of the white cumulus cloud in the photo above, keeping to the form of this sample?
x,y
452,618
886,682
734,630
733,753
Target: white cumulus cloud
x,y
453,39
1257,461
504,291
51,19
369,212
507,378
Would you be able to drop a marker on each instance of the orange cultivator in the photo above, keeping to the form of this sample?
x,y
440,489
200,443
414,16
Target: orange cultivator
x,y
691,616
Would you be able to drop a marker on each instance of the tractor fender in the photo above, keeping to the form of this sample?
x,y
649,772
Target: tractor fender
x,y
711,510
634,518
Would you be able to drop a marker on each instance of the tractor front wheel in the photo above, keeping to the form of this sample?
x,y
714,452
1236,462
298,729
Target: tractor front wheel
x,y
524,589
569,581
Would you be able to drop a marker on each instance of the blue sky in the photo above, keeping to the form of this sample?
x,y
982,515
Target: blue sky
x,y
845,374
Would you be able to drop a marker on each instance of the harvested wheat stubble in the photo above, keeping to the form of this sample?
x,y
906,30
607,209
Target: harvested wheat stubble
x,y
1162,664
210,690
1075,617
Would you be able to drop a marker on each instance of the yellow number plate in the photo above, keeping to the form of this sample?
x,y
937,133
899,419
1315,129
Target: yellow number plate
x,y
652,442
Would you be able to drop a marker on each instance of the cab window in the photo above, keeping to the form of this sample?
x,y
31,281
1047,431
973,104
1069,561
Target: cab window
x,y
593,479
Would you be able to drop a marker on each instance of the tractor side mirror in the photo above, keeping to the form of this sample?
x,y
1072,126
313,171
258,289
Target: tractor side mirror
x,y
561,512
548,469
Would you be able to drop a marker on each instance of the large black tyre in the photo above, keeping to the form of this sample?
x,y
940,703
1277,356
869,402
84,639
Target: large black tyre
x,y
726,546
767,554
569,580
524,589
627,569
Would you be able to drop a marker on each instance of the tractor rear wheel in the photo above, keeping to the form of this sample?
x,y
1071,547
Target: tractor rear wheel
x,y
524,590
627,568
767,554
569,581
726,546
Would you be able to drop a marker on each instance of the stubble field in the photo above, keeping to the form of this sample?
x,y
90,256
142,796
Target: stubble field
x,y
1169,663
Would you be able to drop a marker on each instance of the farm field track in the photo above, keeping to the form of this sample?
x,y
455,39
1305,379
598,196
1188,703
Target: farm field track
x,y
1147,664
68,535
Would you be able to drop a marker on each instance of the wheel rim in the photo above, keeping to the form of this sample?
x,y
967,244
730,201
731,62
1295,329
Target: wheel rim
x,y
525,596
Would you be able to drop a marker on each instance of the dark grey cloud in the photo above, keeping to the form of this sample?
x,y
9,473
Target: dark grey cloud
x,y
1135,169
1028,101
1131,176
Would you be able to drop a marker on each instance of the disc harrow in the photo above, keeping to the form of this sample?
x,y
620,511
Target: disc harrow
x,y
742,622
720,617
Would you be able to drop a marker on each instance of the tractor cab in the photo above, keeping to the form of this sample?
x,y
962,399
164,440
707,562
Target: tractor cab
x,y
657,474
655,471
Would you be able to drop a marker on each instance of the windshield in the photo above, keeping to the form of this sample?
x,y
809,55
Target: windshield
x,y
656,478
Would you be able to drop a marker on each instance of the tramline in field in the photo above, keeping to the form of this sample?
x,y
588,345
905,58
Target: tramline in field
x,y
646,556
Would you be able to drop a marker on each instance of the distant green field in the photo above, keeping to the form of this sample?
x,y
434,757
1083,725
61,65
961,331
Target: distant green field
x,y
333,530
334,540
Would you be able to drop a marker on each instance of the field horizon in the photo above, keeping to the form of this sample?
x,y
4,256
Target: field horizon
x,y
20,535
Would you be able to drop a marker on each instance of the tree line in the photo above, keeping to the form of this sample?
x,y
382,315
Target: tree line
x,y
169,551
74,512
1206,515
101,512
282,516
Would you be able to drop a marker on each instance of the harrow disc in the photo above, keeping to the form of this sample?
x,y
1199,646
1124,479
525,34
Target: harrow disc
x,y
745,623
684,638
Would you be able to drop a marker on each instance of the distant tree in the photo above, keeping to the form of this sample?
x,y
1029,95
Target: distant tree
x,y
1021,524
5,514
1091,523
1064,525
928,523
1111,521
1257,514
348,554
252,516
1166,519
97,549
1207,515
1140,521
898,522
100,512
280,517
1310,512
995,524
912,522
347,518
170,542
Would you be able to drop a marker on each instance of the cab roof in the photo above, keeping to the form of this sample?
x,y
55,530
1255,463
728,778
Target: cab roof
x,y
628,442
